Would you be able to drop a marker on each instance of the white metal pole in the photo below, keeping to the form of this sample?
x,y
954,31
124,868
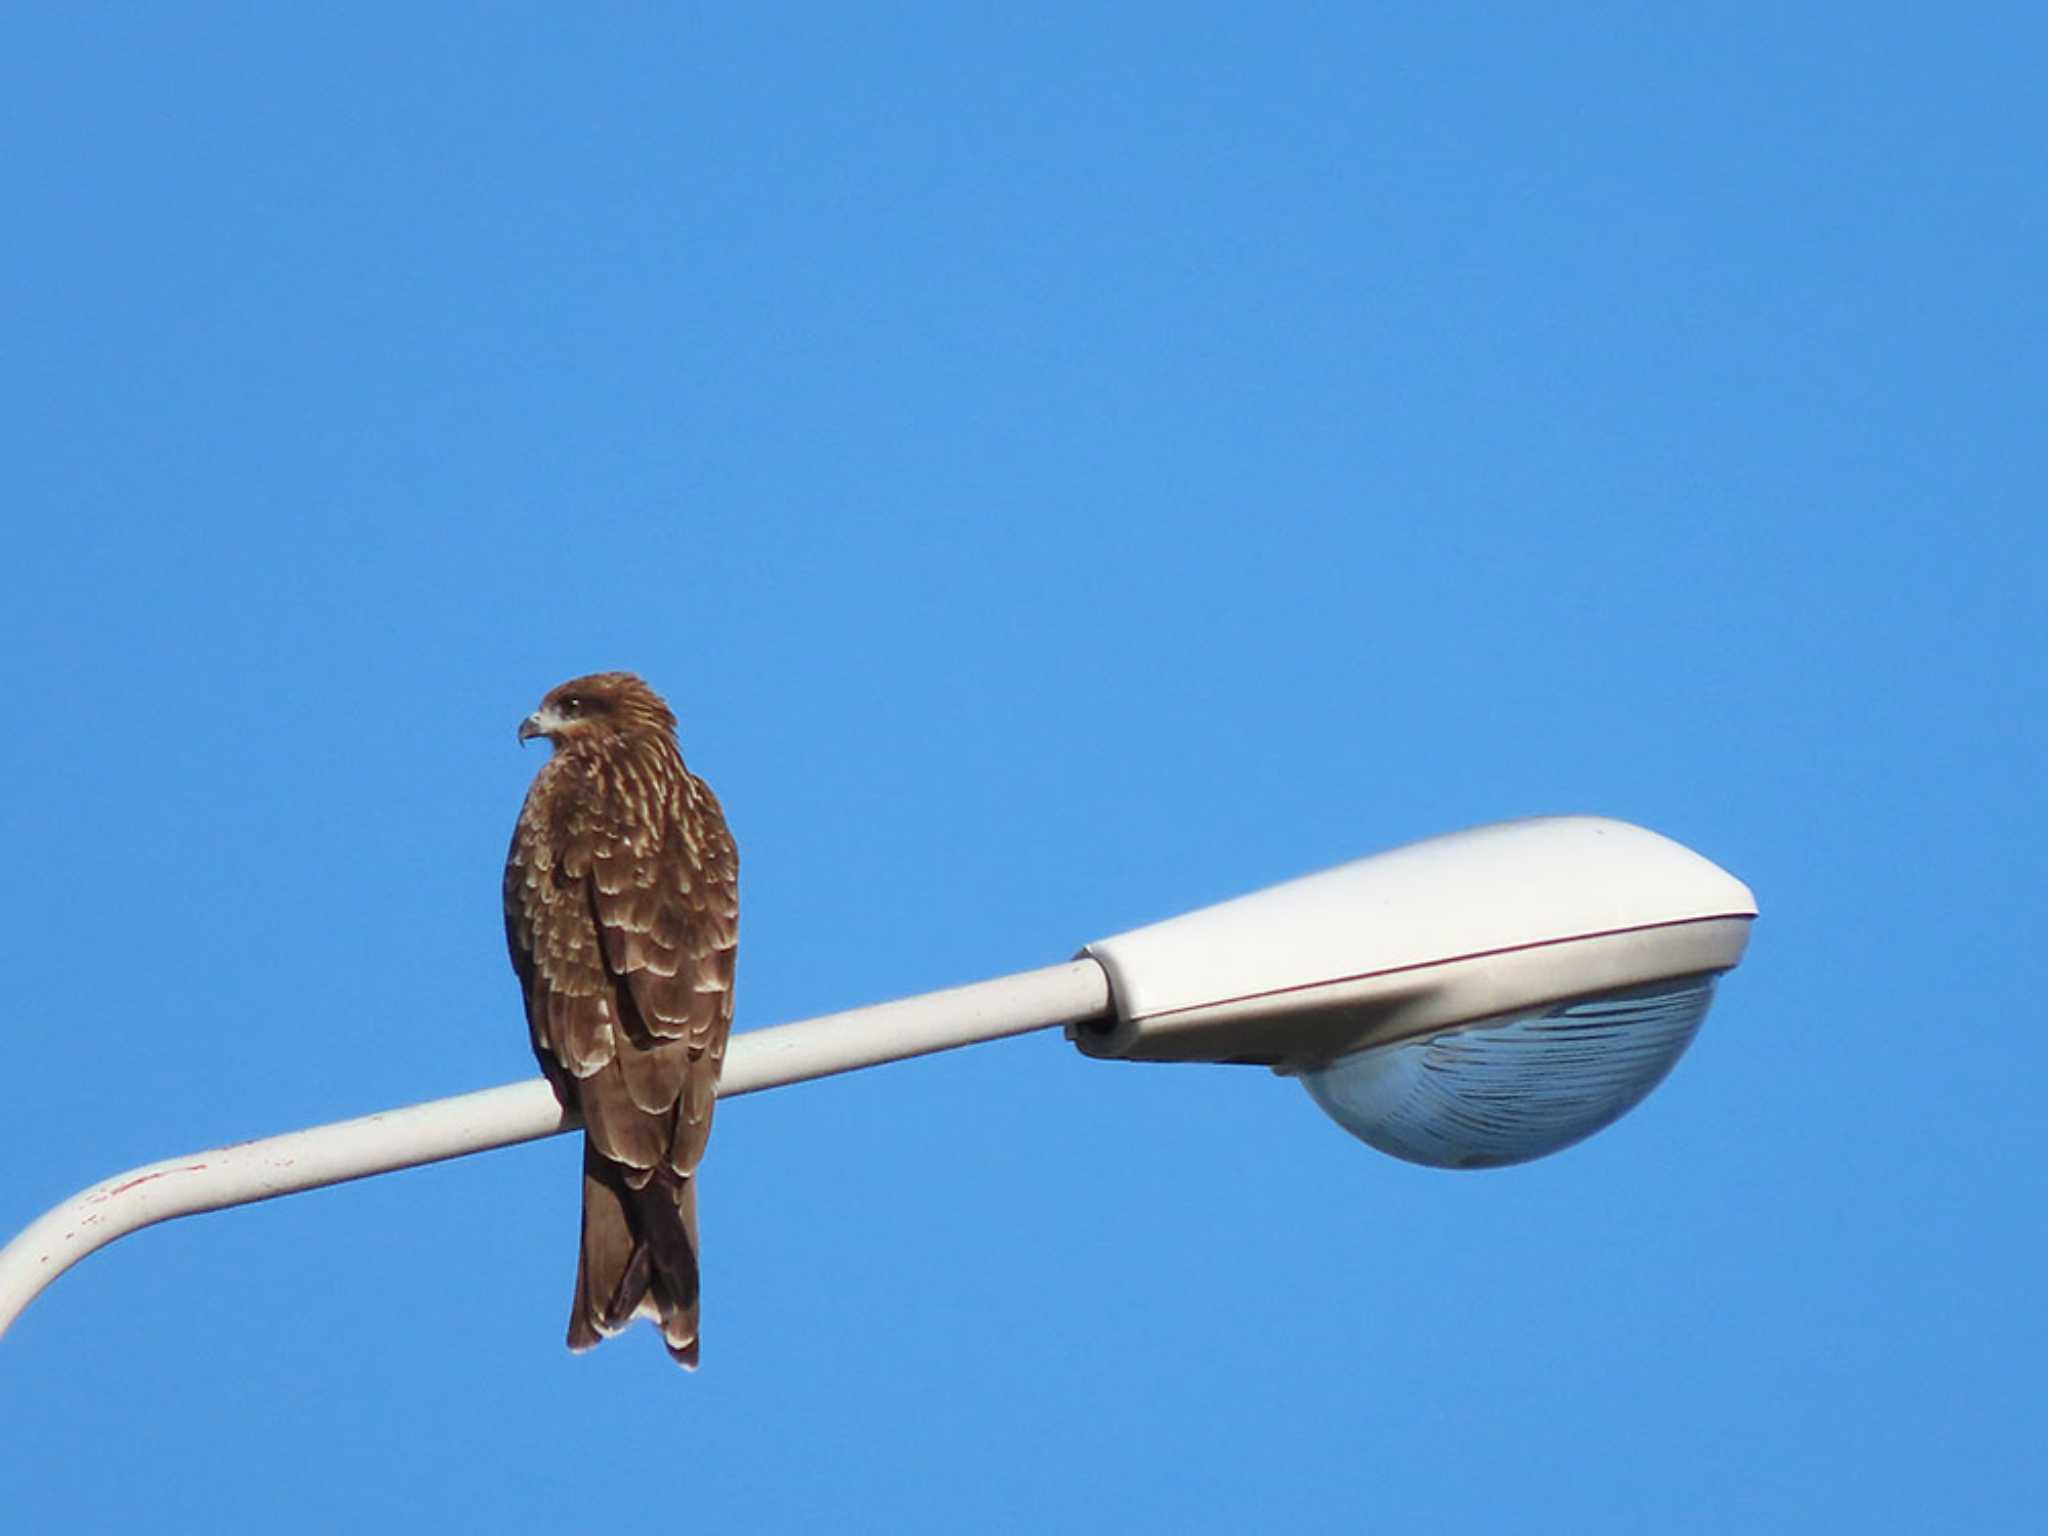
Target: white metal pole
x,y
501,1117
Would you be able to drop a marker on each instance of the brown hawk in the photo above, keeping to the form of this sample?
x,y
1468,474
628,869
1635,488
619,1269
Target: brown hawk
x,y
622,915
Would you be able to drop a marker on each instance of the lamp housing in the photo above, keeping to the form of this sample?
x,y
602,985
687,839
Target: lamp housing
x,y
1410,989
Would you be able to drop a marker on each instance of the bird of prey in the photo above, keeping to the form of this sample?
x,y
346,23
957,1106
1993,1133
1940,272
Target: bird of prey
x,y
622,915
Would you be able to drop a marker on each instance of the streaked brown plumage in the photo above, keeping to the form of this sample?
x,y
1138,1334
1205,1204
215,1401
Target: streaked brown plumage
x,y
622,914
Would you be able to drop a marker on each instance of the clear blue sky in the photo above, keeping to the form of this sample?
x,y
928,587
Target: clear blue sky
x,y
1064,468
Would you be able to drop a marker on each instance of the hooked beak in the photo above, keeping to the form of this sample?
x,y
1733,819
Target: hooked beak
x,y
531,727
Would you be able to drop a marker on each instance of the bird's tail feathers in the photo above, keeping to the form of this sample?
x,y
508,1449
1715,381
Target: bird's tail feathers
x,y
638,1258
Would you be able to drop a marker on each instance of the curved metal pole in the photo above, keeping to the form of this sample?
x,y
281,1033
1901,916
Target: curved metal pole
x,y
250,1171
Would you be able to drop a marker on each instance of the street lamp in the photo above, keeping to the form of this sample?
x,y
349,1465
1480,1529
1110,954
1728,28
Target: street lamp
x,y
1466,1001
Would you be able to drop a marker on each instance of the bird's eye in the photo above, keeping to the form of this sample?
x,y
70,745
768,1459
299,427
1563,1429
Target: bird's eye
x,y
572,707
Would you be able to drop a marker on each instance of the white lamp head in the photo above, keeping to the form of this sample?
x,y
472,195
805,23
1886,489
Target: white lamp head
x,y
1466,1001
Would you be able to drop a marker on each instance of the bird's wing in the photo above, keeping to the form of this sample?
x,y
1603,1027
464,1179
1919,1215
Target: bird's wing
x,y
665,895
573,1003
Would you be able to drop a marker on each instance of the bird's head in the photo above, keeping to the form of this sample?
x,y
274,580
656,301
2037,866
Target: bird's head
x,y
602,704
